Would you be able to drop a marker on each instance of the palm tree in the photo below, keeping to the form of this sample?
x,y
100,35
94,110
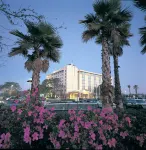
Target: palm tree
x,y
40,45
143,38
141,4
108,15
129,89
135,88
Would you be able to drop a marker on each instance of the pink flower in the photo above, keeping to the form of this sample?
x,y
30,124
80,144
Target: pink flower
x,y
27,139
61,123
109,127
101,122
128,120
7,137
107,110
35,136
78,119
71,112
29,113
3,136
89,108
98,147
19,111
57,145
33,94
76,135
16,101
76,128
61,134
13,108
52,109
27,130
87,125
140,139
112,142
36,90
92,136
45,126
124,134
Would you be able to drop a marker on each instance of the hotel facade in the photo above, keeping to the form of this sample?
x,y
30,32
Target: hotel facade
x,y
77,83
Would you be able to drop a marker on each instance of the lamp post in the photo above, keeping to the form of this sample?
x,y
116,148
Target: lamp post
x,y
125,93
30,81
11,89
99,92
96,90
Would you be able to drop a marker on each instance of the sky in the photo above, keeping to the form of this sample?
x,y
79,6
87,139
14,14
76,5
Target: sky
x,y
86,56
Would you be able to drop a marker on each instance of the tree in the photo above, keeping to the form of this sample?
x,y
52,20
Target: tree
x,y
97,91
14,16
141,4
57,88
108,15
135,87
10,88
119,38
40,45
129,89
10,85
45,87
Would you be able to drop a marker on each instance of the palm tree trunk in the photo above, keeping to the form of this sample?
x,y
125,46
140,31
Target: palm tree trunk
x,y
106,90
129,91
118,95
35,80
36,77
136,91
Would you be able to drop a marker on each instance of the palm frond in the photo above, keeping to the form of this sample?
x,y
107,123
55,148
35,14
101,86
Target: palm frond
x,y
101,7
143,51
89,34
32,28
45,65
88,19
53,55
143,35
143,39
46,28
20,35
18,51
28,65
140,4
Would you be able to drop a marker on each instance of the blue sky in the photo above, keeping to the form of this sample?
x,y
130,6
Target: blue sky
x,y
86,56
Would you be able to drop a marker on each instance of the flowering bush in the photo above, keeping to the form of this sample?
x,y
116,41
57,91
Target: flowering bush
x,y
94,129
27,123
30,125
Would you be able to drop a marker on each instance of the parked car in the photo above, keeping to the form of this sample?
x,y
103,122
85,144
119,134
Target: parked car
x,y
141,103
130,103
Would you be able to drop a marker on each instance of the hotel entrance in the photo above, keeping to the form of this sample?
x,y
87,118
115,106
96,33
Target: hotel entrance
x,y
80,94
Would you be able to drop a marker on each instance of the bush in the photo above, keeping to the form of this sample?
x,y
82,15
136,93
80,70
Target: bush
x,y
30,125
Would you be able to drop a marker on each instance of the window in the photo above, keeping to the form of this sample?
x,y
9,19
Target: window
x,y
89,88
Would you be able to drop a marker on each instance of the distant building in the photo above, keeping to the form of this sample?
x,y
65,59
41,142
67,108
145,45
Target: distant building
x,y
77,83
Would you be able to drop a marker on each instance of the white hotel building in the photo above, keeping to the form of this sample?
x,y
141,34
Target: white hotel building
x,y
77,83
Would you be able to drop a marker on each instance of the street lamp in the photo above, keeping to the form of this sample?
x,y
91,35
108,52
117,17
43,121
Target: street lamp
x,y
11,89
96,90
29,81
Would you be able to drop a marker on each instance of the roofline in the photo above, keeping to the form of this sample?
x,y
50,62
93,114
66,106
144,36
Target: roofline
x,y
90,72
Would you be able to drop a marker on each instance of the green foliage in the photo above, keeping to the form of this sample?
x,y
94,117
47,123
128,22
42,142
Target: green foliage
x,y
10,86
140,4
10,89
42,40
